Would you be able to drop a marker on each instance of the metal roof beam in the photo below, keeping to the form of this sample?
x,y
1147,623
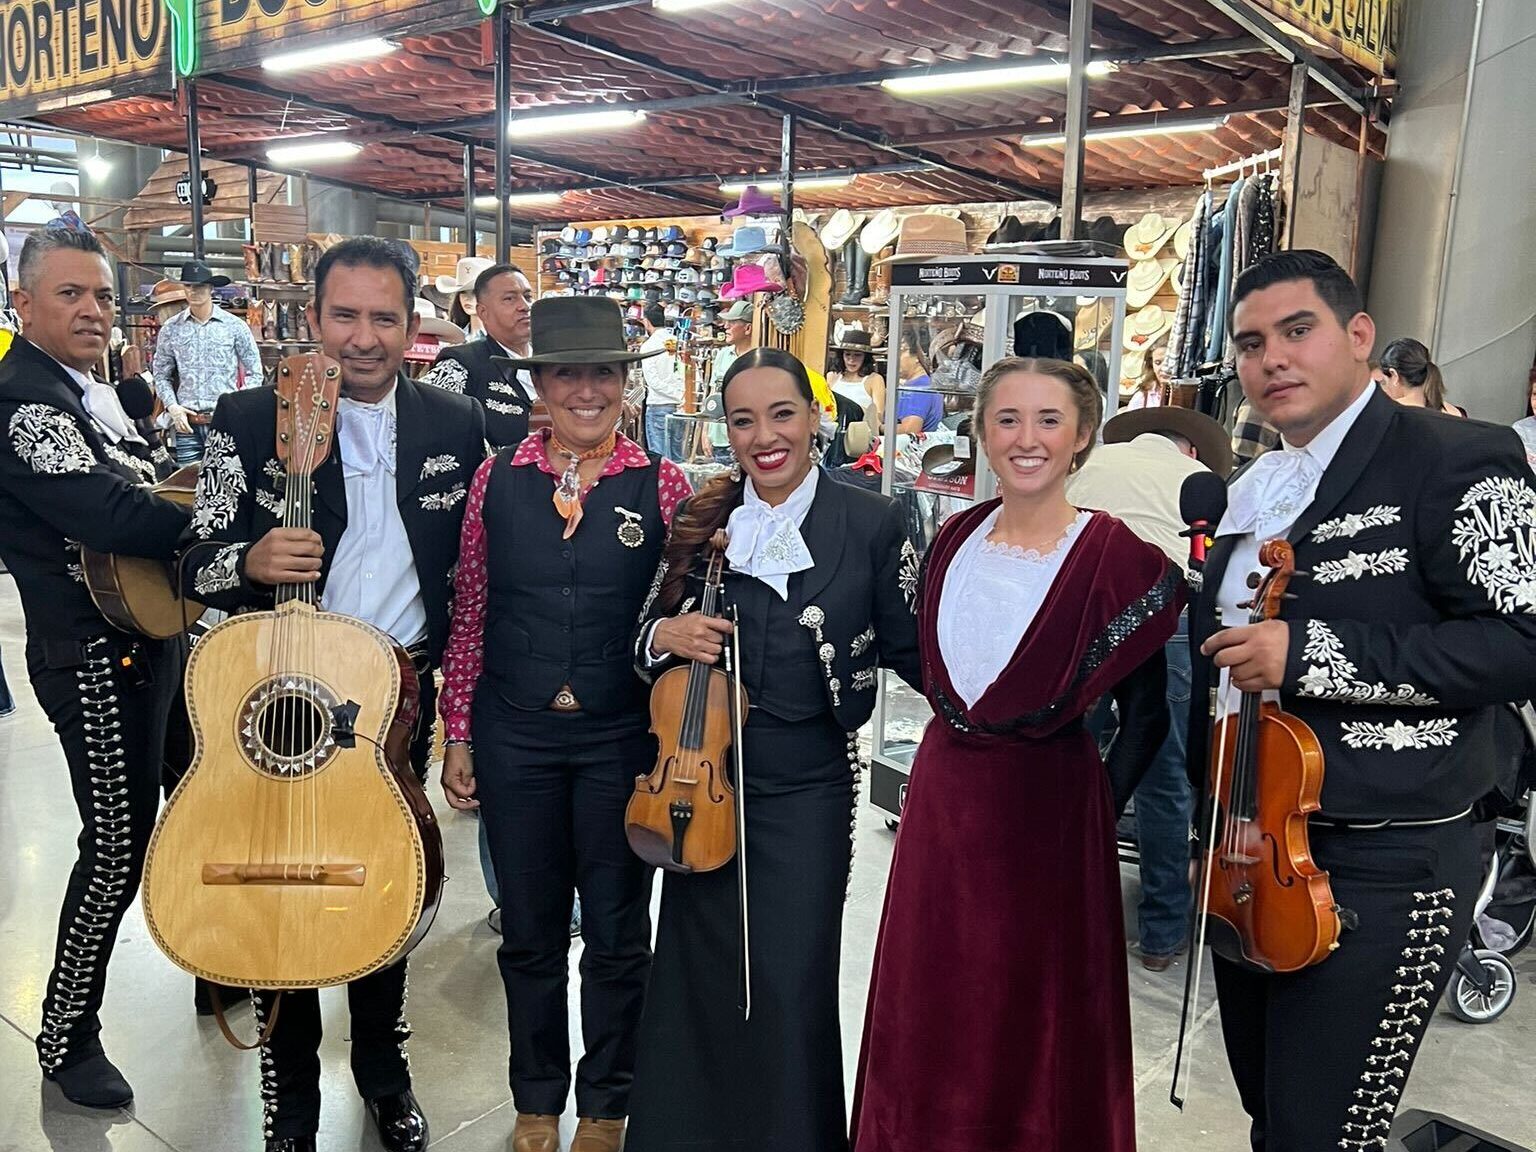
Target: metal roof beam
x,y
1258,23
854,132
549,13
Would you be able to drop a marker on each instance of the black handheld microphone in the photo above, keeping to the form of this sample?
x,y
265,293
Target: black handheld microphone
x,y
1202,503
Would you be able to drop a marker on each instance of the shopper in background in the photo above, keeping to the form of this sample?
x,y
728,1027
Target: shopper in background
x,y
999,1006
851,372
1413,379
1136,475
1252,435
664,382
546,721
200,354
463,299
478,368
737,320
1152,387
822,577
917,409
1526,426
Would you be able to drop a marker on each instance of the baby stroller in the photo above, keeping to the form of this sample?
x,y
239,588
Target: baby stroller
x,y
1483,985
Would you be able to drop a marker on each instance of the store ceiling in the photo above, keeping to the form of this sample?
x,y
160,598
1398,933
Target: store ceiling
x,y
414,109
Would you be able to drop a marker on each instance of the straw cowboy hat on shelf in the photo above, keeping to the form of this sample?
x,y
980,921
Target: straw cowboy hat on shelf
x,y
1146,280
1181,240
434,325
1146,327
464,275
926,234
577,330
879,232
1145,238
841,228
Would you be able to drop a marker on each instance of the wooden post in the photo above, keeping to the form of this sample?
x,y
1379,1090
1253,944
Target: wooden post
x,y
1295,115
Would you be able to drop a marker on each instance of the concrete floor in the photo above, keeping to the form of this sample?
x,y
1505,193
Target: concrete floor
x,y
195,1092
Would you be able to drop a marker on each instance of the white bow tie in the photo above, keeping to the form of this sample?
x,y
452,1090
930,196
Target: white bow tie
x,y
766,543
1271,494
367,438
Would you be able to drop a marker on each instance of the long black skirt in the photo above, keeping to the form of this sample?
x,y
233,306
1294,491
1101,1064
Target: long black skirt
x,y
706,1079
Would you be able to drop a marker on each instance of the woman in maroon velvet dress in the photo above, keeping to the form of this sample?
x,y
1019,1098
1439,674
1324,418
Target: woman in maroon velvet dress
x,y
999,1012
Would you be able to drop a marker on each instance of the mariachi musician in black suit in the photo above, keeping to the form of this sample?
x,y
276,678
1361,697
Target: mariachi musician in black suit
x,y
480,368
822,579
69,475
546,720
388,504
1415,619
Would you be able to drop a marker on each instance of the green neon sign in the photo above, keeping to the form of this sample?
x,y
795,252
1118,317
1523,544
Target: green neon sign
x,y
184,35
486,6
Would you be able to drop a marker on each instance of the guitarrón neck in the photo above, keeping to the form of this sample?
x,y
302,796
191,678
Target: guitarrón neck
x,y
298,506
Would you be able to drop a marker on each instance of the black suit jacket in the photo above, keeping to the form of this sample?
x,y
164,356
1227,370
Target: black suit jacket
x,y
63,484
854,605
440,442
1416,617
468,369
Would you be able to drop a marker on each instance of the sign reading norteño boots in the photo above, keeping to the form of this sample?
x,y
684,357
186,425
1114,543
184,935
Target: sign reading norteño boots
x,y
59,53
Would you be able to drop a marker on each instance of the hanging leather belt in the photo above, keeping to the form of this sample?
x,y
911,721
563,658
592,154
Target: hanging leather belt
x,y
565,700
197,418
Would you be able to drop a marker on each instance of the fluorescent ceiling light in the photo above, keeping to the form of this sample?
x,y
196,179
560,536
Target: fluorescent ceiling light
x,y
682,5
559,122
802,183
331,55
1173,129
520,198
920,83
320,150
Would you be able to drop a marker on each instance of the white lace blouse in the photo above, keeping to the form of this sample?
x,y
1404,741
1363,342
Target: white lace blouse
x,y
991,594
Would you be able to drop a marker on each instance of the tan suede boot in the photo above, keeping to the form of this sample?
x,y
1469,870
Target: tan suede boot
x,y
598,1135
535,1133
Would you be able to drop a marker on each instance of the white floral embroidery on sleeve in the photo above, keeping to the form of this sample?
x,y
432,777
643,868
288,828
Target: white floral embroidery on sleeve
x,y
49,441
1496,539
449,375
219,487
1331,675
1387,562
1397,735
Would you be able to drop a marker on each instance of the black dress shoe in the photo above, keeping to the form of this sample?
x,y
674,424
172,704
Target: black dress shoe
x,y
292,1144
402,1127
94,1082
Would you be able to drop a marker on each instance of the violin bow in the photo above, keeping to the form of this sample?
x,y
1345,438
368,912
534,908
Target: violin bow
x,y
733,673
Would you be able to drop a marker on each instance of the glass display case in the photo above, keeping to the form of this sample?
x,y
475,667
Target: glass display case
x,y
950,319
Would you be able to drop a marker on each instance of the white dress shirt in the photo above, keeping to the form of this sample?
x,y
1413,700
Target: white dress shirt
x,y
1276,502
373,573
663,374
1139,482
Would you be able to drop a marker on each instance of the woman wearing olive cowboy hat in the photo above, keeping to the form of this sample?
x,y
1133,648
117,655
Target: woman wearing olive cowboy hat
x,y
547,721
460,290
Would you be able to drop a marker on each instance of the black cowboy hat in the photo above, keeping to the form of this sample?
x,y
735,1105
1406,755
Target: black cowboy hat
x,y
1212,443
577,330
196,272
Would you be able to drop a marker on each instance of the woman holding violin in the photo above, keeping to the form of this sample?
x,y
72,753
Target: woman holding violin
x,y
999,1007
546,720
819,578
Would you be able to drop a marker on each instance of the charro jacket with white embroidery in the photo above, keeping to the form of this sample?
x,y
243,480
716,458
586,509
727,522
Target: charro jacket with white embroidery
x,y
1416,617
440,442
63,484
473,368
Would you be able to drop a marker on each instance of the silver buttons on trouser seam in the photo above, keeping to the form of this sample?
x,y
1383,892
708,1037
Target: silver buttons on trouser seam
x,y
268,1068
857,765
84,944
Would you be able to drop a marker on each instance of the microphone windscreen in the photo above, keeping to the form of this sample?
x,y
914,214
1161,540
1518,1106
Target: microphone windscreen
x,y
1203,496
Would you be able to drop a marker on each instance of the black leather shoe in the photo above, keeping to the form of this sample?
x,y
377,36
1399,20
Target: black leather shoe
x,y
402,1127
94,1082
292,1144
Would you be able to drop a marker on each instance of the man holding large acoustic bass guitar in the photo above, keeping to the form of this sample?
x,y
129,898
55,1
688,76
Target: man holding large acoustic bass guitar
x,y
378,545
71,477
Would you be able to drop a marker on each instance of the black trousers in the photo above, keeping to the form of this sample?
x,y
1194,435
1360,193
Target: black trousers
x,y
1321,1056
111,724
552,788
290,1060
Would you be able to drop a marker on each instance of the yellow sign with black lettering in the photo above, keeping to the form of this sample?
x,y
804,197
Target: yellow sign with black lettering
x,y
62,52
1365,31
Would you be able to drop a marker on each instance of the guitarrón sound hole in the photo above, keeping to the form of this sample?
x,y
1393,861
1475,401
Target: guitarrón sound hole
x,y
292,726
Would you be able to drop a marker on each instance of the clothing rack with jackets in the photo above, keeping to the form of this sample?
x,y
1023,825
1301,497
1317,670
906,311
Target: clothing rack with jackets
x,y
1229,233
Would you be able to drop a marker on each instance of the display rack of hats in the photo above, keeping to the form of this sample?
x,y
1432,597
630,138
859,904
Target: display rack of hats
x,y
675,263
280,281
1157,247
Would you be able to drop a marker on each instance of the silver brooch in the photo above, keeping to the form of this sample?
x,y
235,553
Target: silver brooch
x,y
631,535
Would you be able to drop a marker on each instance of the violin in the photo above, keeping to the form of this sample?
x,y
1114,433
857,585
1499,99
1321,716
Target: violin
x,y
1265,902
683,816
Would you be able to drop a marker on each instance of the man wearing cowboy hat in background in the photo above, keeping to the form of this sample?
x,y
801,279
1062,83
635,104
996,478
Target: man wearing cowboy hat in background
x,y
199,356
1136,475
503,302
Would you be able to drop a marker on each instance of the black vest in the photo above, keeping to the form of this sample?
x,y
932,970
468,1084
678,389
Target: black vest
x,y
778,656
564,611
